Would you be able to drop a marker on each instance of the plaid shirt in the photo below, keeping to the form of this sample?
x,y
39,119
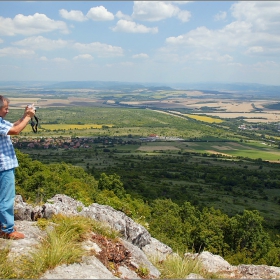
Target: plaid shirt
x,y
8,159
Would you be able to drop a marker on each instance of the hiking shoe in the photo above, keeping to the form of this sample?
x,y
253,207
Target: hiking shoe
x,y
13,235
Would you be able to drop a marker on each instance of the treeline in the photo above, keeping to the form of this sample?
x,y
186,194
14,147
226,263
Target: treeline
x,y
204,180
239,239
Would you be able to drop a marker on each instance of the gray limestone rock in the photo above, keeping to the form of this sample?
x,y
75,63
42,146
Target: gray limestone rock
x,y
140,260
134,237
89,268
157,250
131,231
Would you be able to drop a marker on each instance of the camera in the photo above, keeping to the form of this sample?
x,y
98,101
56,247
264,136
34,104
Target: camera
x,y
34,124
31,106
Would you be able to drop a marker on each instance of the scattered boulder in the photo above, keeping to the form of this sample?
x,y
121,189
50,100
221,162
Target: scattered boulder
x,y
216,264
61,204
212,263
157,249
22,210
257,272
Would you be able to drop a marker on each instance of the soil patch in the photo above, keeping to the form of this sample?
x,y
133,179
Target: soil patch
x,y
223,148
156,148
218,153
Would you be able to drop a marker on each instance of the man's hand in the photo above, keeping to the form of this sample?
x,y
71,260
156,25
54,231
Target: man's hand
x,y
30,111
19,125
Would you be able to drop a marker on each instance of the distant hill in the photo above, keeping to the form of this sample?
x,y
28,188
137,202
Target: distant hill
x,y
109,85
231,87
257,89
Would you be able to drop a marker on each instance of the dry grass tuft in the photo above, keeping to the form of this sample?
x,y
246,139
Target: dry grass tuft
x,y
62,245
176,267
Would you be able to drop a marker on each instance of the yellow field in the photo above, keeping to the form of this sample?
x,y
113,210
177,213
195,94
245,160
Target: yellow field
x,y
204,118
72,126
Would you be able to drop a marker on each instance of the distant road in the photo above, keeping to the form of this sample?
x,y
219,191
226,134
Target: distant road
x,y
171,113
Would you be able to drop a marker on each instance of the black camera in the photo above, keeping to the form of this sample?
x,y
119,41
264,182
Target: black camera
x,y
34,124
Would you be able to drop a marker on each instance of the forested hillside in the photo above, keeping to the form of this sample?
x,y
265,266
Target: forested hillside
x,y
240,238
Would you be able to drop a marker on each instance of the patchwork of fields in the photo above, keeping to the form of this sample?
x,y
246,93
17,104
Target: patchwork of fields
x,y
97,113
229,149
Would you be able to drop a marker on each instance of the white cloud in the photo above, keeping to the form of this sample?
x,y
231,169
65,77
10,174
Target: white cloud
x,y
155,10
120,15
41,43
209,56
43,58
30,25
199,37
225,58
102,50
220,16
255,49
255,25
263,15
132,27
13,52
184,16
83,57
1,41
99,14
60,60
72,15
235,34
140,55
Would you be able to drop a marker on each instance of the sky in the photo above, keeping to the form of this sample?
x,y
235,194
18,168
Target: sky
x,y
140,41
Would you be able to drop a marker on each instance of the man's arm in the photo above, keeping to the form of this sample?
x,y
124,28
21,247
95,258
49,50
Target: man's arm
x,y
19,125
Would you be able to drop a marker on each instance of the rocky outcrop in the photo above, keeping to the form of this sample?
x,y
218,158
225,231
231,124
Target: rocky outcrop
x,y
216,264
130,231
62,204
134,237
134,248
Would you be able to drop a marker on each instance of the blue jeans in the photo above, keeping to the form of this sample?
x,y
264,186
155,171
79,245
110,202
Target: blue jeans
x,y
7,197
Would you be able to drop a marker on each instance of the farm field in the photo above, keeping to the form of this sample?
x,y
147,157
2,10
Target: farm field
x,y
200,133
253,108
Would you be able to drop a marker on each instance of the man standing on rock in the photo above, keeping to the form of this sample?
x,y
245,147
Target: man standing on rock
x,y
8,163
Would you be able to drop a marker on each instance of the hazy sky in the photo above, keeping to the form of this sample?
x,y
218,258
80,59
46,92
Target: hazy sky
x,y
140,41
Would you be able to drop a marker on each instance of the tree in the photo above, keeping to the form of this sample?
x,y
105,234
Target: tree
x,y
248,236
190,218
210,231
166,224
112,183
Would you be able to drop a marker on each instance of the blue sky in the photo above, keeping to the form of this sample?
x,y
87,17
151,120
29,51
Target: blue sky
x,y
140,41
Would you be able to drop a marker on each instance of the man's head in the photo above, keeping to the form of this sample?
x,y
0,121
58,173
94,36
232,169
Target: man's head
x,y
4,106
